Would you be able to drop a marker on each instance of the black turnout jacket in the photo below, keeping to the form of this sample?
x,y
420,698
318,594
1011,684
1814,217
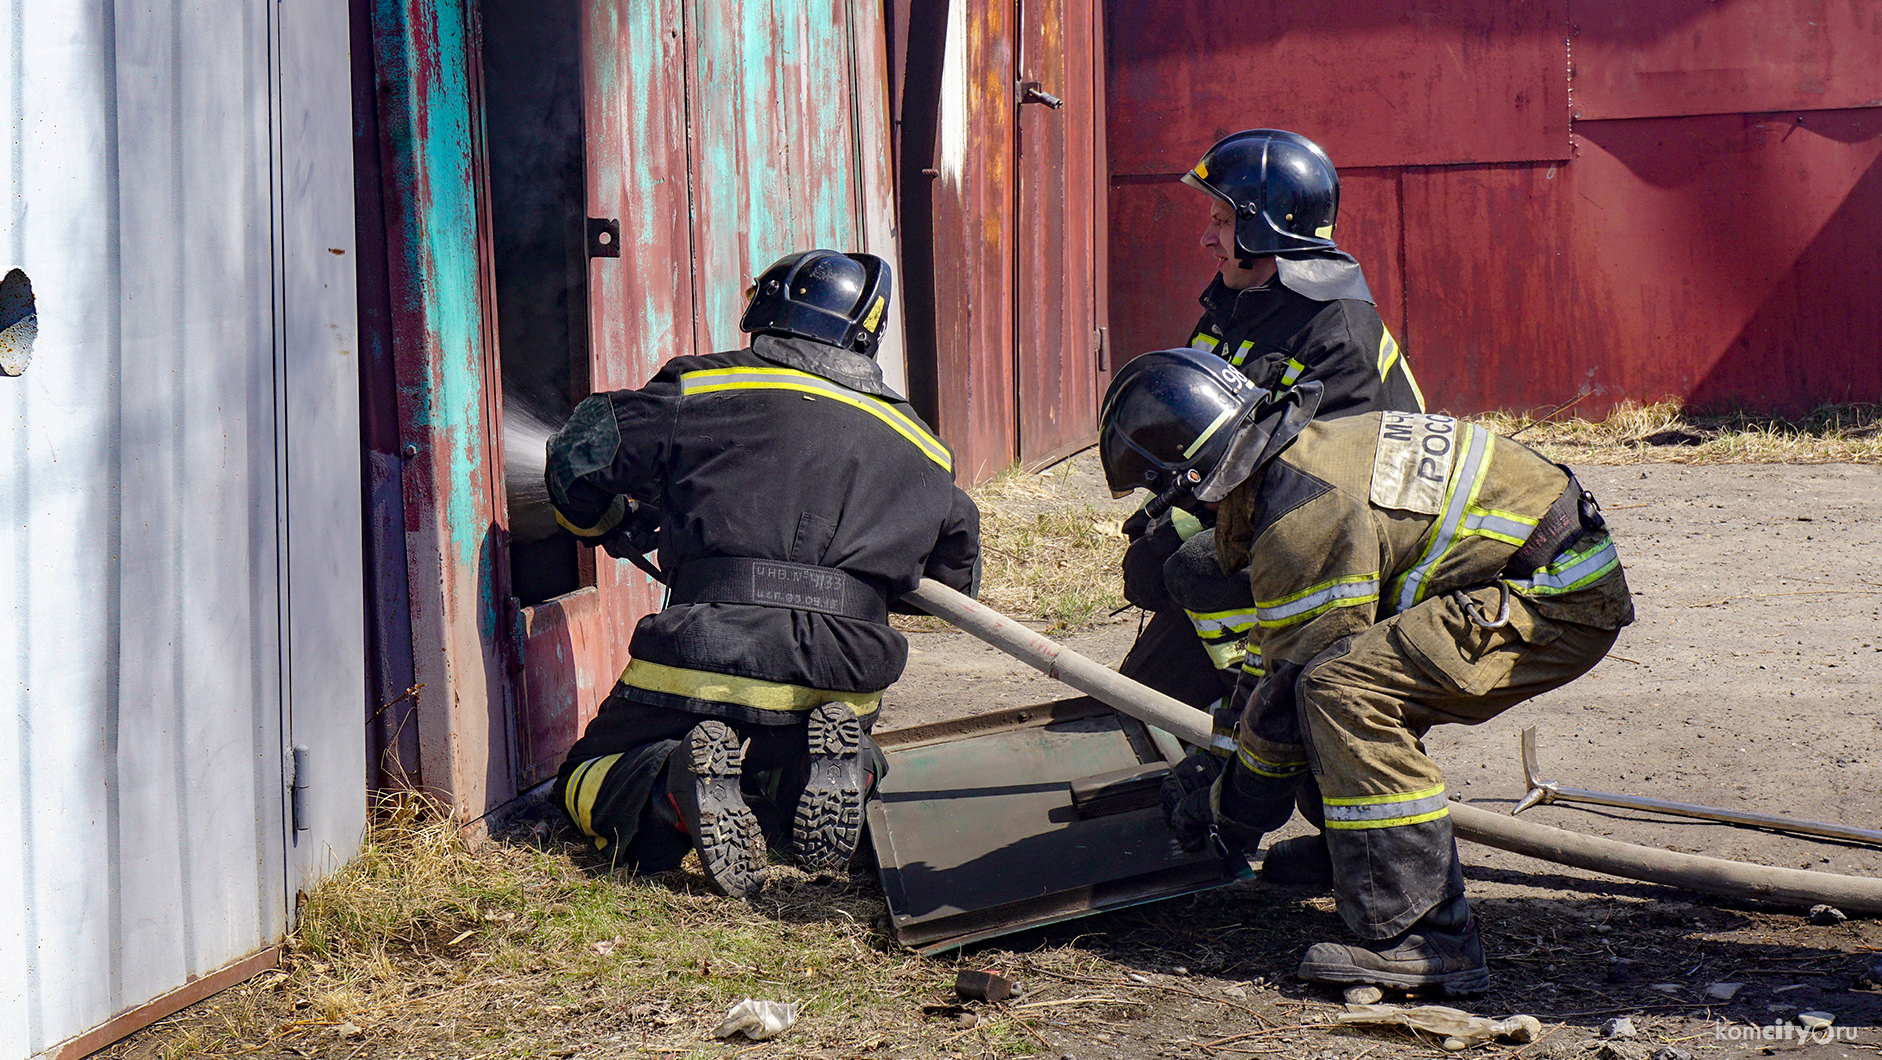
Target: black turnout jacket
x,y
1314,320
789,450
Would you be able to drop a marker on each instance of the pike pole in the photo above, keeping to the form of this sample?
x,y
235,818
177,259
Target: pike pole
x,y
1693,872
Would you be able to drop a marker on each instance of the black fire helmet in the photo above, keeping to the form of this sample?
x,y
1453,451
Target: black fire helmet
x,y
824,295
1281,185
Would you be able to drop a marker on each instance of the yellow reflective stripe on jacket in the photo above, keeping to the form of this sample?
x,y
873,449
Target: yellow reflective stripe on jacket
x,y
1222,633
741,691
1242,352
719,380
1238,621
1385,811
603,526
1268,768
1572,570
1292,372
1204,341
1460,494
1390,355
1350,591
584,786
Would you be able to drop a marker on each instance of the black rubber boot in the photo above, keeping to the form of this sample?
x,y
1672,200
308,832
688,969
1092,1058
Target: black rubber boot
x,y
703,784
1302,861
829,819
1441,951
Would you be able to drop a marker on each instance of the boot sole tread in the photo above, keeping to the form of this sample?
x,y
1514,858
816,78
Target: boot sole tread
x,y
828,822
730,844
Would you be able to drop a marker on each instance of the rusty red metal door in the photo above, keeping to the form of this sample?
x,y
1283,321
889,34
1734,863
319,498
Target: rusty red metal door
x,y
640,312
1057,235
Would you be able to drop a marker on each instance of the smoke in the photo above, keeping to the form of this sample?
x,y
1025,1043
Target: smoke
x,y
525,445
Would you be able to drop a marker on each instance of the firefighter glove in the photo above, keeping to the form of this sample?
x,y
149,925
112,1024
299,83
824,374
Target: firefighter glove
x,y
1186,801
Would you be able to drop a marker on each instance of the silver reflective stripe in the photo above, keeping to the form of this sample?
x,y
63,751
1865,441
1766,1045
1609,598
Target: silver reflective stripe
x,y
1574,570
1466,478
1241,354
1205,343
1514,527
1384,810
1320,599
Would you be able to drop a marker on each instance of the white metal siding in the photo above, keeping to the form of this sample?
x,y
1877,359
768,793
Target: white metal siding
x,y
179,483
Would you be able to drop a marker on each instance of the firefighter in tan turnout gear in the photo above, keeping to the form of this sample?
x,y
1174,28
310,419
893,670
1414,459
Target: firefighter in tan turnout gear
x,y
1407,570
793,498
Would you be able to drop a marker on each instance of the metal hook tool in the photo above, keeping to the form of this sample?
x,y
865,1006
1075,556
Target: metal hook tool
x,y
1542,792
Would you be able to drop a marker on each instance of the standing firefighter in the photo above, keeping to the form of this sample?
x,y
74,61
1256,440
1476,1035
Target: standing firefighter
x,y
1407,570
1286,307
793,497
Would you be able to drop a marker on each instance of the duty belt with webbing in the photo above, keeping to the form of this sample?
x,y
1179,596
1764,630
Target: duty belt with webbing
x,y
776,583
1573,514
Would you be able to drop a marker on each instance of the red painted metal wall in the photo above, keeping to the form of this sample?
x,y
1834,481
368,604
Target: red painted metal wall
x,y
1001,202
1582,201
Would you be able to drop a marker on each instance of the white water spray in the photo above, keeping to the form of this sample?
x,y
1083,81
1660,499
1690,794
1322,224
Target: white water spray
x,y
525,445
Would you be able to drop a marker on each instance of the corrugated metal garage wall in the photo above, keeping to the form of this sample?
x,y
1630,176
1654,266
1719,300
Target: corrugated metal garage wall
x,y
180,450
1566,201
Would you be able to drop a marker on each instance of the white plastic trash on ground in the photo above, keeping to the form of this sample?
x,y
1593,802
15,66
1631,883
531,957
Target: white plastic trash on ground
x,y
757,1019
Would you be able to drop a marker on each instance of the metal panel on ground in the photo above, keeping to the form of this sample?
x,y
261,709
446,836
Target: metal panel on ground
x,y
1383,83
188,401
1687,257
1690,57
981,829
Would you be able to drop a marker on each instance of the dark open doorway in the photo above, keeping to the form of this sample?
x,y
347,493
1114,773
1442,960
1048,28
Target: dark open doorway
x,y
533,124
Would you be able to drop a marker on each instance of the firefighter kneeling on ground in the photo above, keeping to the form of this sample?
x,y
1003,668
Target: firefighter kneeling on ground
x,y
1407,570
793,497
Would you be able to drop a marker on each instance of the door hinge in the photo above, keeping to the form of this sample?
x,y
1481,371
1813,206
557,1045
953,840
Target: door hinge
x,y
1101,338
297,788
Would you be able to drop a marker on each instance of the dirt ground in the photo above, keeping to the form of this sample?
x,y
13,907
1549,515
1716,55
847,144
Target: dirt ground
x,y
1748,680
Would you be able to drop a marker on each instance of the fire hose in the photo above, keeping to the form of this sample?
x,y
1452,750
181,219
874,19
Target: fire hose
x,y
1693,872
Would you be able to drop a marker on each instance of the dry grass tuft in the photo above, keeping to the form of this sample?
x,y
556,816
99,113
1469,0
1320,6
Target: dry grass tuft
x,y
1665,433
1052,547
423,946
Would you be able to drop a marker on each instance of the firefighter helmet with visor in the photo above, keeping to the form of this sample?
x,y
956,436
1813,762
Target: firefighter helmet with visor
x,y
1281,185
823,295
1170,416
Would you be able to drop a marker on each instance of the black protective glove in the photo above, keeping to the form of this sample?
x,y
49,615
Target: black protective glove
x,y
1143,566
1186,805
636,535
